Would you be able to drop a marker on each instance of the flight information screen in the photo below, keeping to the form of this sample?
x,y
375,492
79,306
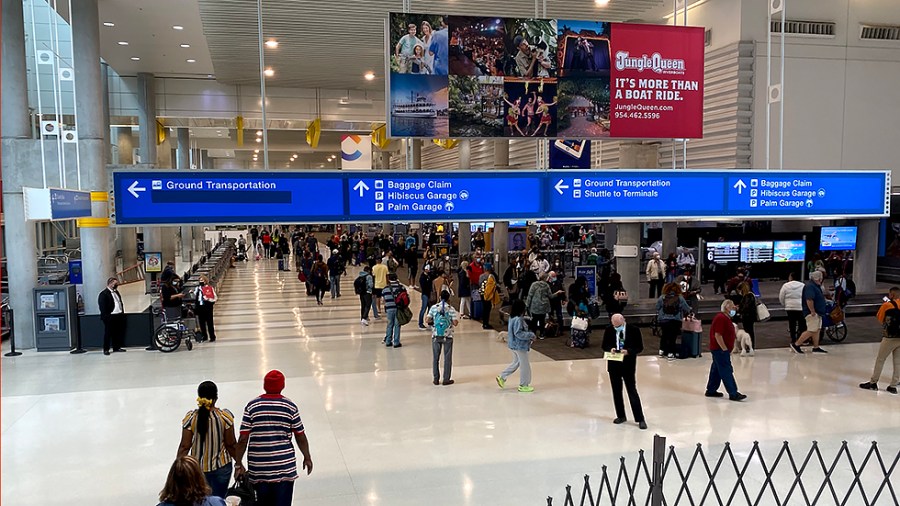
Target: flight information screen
x,y
723,252
757,251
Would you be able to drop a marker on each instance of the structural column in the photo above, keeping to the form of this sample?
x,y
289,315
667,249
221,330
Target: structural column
x,y
147,117
385,160
97,246
866,261
501,247
633,155
465,228
465,154
183,162
501,153
669,238
413,154
16,140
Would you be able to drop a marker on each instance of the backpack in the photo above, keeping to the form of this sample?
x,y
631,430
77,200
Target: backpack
x,y
671,306
442,322
892,321
360,285
401,298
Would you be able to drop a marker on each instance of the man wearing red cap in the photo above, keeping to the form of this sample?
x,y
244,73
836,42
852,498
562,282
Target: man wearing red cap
x,y
268,423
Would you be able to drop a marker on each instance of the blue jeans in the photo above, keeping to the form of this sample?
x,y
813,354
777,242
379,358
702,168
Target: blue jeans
x,y
721,372
278,493
218,479
335,286
423,310
447,348
392,334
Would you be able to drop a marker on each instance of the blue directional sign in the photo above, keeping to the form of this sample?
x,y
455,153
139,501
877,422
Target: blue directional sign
x,y
176,197
68,204
166,197
446,195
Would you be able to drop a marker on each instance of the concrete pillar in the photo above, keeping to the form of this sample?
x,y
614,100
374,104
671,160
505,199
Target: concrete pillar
x,y
611,232
205,161
164,152
16,131
669,238
465,154
183,162
465,238
147,117
501,153
199,236
97,245
124,146
128,245
629,234
413,154
501,247
866,260
636,155
107,134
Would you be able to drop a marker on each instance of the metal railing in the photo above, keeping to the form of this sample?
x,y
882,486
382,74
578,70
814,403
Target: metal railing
x,y
725,479
132,274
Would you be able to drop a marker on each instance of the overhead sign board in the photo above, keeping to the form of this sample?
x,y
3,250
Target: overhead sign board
x,y
56,204
178,197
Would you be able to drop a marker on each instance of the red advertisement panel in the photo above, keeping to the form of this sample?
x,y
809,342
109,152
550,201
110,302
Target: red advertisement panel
x,y
656,81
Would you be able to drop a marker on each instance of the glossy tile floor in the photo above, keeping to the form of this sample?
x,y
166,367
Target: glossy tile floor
x,y
102,430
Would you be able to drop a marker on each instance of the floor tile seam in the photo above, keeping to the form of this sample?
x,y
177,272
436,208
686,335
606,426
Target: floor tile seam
x,y
24,413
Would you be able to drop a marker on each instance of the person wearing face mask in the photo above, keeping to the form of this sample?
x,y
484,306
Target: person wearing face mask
x,y
626,341
721,342
112,314
690,288
206,298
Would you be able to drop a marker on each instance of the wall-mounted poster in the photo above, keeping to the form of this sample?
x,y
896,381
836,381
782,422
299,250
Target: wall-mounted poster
x,y
153,262
484,77
570,154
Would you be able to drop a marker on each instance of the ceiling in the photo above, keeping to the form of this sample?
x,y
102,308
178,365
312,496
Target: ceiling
x,y
321,44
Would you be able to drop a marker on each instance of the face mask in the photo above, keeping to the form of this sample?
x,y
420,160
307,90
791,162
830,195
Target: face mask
x,y
732,313
620,328
552,280
202,283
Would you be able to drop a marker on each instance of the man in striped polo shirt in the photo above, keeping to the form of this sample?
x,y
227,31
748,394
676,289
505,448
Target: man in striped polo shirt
x,y
269,422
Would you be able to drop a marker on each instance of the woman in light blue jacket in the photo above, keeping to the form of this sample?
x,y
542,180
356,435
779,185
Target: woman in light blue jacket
x,y
519,340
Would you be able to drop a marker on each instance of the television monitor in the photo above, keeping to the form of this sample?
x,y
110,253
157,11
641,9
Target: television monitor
x,y
757,251
723,252
518,224
790,251
837,238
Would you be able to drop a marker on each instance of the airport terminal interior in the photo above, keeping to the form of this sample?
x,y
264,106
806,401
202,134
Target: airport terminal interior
x,y
693,197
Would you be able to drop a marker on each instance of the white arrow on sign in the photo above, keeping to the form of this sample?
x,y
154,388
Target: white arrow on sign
x,y
134,189
361,187
560,186
740,185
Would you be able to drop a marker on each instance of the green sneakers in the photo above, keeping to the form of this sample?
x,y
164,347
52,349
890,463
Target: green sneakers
x,y
501,382
526,389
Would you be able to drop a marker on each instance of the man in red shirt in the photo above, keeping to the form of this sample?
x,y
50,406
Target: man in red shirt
x,y
721,342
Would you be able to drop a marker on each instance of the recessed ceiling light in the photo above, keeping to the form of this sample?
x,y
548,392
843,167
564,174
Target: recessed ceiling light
x,y
271,43
259,133
369,76
185,46
123,43
269,72
108,24
177,27
601,3
191,60
255,151
135,58
258,139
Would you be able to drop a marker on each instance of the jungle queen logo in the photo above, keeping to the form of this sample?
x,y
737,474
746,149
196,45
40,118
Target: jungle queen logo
x,y
654,62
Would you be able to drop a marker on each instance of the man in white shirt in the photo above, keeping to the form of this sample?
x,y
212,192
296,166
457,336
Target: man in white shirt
x,y
442,318
686,260
112,314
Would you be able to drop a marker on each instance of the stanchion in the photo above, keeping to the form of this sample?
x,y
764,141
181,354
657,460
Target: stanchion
x,y
78,348
12,336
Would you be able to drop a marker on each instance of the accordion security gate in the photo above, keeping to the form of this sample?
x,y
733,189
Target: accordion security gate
x,y
726,478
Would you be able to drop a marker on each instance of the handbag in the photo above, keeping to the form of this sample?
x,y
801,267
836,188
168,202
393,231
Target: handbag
x,y
620,295
579,323
244,490
762,312
836,314
404,316
301,277
691,324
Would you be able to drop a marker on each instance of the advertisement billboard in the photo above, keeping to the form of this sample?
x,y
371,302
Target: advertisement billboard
x,y
837,239
790,251
570,154
486,77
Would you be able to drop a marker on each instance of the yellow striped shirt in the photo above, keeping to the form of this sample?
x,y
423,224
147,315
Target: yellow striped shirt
x,y
211,453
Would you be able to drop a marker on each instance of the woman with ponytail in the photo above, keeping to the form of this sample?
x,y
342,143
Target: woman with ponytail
x,y
208,436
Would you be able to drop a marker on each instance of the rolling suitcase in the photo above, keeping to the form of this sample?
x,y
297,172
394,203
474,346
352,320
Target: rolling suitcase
x,y
690,344
477,309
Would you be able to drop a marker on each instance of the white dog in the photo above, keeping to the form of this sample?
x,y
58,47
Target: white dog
x,y
501,336
742,342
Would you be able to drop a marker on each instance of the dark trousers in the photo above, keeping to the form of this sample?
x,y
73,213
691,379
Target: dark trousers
x,y
486,314
796,324
279,493
113,331
436,349
747,324
365,303
656,286
205,320
537,324
616,379
218,479
721,372
670,331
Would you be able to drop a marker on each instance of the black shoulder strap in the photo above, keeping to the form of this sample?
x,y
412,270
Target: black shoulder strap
x,y
894,303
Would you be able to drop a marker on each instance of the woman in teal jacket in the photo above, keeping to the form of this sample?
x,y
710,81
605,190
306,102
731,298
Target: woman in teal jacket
x,y
519,341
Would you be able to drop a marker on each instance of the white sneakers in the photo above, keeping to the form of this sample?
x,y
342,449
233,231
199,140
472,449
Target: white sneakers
x,y
364,322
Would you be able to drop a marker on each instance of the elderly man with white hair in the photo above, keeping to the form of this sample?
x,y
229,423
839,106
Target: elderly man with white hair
x,y
624,343
814,308
721,341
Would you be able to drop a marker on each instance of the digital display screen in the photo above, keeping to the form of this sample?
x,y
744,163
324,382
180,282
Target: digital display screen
x,y
757,251
518,224
790,251
723,252
838,238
